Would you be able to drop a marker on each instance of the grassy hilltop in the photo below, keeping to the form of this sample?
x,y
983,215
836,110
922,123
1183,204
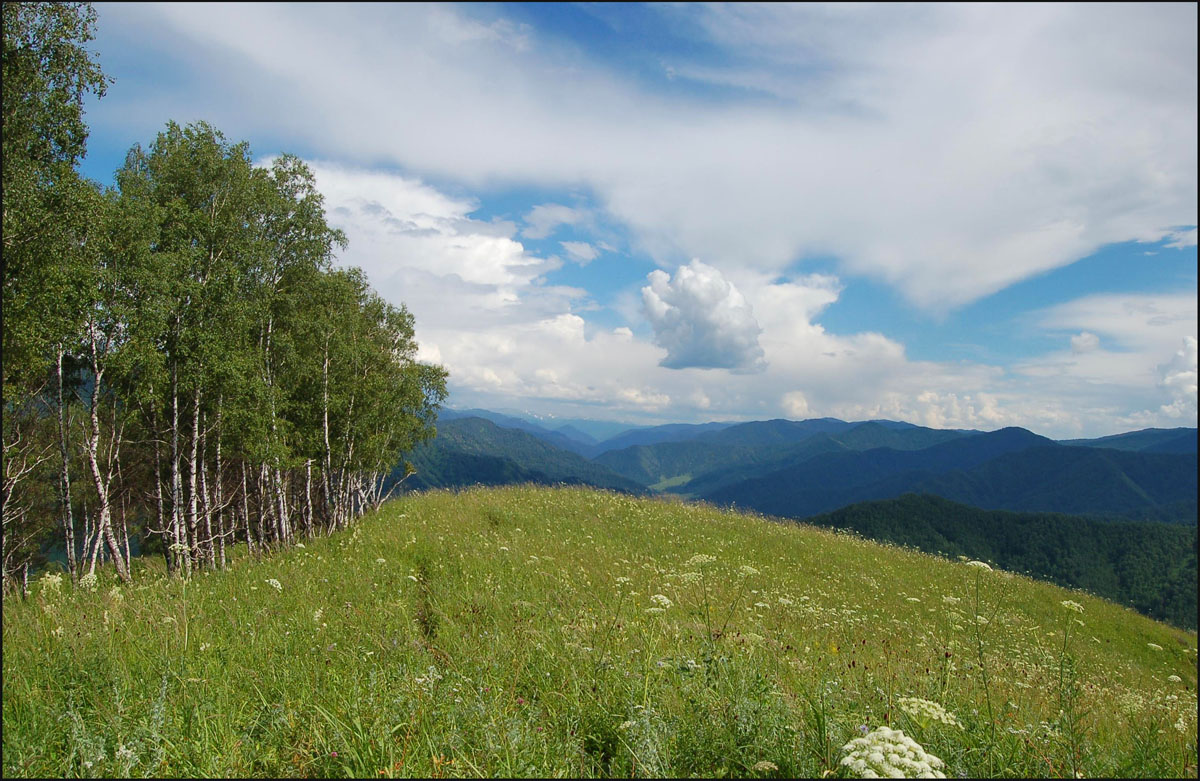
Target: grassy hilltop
x,y
527,631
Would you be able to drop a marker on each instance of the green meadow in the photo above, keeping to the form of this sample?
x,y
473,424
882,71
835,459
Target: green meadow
x,y
568,632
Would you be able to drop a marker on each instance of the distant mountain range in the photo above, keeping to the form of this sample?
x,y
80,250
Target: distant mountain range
x,y
796,469
475,451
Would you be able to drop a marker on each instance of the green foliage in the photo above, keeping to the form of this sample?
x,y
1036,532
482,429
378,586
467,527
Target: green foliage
x,y
509,632
47,72
50,228
1149,566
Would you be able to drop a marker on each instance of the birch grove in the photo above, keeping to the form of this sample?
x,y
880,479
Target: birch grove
x,y
185,367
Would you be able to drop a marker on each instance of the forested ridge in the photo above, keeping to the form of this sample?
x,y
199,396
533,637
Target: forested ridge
x,y
183,361
470,451
1148,566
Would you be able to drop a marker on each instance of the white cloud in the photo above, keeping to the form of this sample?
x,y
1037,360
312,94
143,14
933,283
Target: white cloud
x,y
1179,381
1141,379
795,405
949,150
1084,342
544,219
421,247
702,320
580,251
1182,238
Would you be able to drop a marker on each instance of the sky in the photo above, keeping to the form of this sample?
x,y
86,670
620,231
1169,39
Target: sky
x,y
962,216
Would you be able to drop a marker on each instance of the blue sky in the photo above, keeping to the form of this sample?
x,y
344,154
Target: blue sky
x,y
957,215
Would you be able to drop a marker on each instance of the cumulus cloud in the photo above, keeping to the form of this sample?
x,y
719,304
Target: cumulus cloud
x,y
701,320
795,405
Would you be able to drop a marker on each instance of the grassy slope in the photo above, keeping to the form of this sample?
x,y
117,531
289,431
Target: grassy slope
x,y
489,633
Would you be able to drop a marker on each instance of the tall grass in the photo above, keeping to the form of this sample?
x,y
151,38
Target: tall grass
x,y
568,632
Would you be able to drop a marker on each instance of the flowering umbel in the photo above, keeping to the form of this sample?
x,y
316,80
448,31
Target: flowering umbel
x,y
889,753
925,711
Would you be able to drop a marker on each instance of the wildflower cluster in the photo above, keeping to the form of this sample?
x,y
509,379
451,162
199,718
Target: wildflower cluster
x,y
275,584
661,603
1071,604
51,583
889,753
925,711
89,581
699,560
980,565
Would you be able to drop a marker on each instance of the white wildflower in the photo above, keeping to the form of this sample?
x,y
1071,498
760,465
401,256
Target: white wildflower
x,y
273,583
980,565
1154,646
746,571
949,600
1174,679
381,561
662,601
889,753
925,711
51,584
317,615
911,599
1071,604
699,560
89,581
125,755
115,595
765,766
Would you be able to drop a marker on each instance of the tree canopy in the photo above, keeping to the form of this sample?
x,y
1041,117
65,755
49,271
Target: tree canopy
x,y
184,364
